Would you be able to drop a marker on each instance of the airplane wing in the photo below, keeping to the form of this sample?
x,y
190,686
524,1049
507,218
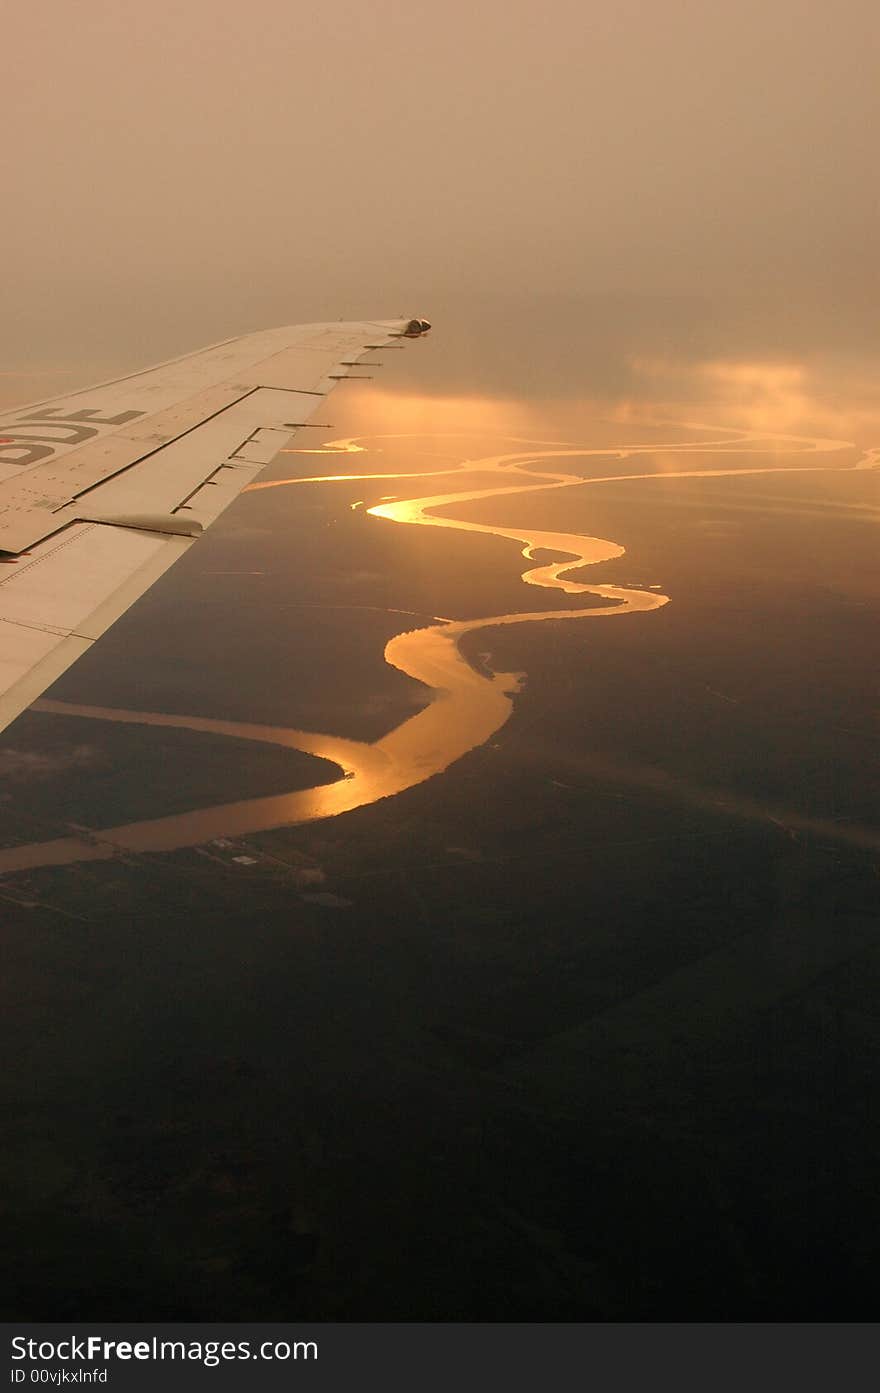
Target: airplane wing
x,y
102,490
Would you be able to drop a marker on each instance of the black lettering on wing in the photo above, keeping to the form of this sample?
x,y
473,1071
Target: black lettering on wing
x,y
70,434
13,453
90,414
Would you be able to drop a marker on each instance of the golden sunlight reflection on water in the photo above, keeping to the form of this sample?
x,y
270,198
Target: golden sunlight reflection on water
x,y
469,706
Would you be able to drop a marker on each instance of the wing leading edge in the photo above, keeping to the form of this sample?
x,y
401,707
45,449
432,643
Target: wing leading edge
x,y
103,490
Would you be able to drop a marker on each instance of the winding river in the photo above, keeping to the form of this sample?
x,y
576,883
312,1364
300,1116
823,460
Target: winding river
x,y
467,706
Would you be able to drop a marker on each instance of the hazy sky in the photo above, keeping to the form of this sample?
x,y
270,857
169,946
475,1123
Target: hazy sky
x,y
177,171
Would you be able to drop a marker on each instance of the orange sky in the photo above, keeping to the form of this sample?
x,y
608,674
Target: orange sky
x,y
190,168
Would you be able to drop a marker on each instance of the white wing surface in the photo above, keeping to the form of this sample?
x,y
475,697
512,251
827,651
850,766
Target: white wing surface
x,y
101,491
